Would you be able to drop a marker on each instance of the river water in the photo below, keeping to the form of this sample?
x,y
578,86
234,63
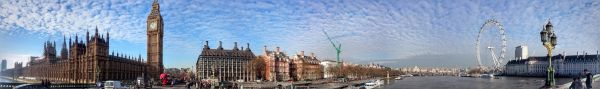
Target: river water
x,y
5,80
454,82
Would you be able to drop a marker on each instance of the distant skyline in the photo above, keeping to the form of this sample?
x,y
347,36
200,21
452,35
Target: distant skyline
x,y
392,33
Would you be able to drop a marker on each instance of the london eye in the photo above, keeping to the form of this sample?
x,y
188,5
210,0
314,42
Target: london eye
x,y
497,65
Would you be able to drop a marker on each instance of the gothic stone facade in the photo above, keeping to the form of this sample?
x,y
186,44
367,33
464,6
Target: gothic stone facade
x,y
84,61
227,65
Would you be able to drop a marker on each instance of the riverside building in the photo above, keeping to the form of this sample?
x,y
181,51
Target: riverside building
x,y
565,65
304,68
327,64
88,60
84,61
225,64
277,65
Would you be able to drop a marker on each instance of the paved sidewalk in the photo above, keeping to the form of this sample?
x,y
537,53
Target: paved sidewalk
x,y
595,82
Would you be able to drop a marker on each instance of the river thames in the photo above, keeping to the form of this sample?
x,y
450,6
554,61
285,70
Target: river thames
x,y
454,82
5,80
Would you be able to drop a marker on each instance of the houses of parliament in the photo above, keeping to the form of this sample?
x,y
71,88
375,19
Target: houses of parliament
x,y
88,60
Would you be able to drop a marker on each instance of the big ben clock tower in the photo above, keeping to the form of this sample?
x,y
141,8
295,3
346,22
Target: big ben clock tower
x,y
154,26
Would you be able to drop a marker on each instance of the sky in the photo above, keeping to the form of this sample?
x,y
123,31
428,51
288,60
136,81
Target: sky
x,y
395,33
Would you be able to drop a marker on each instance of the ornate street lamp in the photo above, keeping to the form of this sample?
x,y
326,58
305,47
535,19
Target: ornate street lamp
x,y
549,41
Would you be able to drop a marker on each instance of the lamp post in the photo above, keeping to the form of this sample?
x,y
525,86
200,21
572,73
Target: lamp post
x,y
549,41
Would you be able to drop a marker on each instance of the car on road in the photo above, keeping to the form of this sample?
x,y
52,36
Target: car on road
x,y
113,85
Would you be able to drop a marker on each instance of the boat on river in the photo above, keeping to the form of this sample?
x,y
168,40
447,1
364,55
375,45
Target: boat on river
x,y
398,78
373,84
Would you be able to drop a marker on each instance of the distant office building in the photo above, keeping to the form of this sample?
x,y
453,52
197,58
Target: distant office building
x,y
521,52
305,67
3,65
376,66
565,65
327,64
227,65
277,65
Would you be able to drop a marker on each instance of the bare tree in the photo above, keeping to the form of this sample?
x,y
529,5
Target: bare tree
x,y
258,66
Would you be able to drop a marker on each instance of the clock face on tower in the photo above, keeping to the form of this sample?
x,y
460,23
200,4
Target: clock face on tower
x,y
153,25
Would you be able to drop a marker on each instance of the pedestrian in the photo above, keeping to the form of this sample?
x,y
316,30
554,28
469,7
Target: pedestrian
x,y
588,81
576,84
172,81
99,84
188,84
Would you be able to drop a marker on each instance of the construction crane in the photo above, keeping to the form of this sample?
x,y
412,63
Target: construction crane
x,y
338,48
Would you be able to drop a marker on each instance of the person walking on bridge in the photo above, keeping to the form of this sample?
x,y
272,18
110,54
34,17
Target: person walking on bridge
x,y
588,80
576,84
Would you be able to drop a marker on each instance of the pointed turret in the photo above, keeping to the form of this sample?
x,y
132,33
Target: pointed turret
x,y
64,53
45,48
139,57
70,43
107,38
87,36
76,39
155,8
96,33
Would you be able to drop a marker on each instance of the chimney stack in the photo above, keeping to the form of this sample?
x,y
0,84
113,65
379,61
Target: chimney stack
x,y
277,49
220,45
206,45
247,46
312,54
265,49
302,53
235,46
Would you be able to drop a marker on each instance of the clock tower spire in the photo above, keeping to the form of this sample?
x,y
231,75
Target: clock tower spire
x,y
154,26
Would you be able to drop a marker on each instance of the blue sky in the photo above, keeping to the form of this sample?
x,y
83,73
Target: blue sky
x,y
397,33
